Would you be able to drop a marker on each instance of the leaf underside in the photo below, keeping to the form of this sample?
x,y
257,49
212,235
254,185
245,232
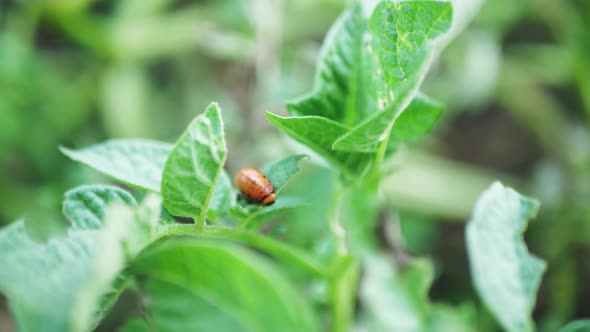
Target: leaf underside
x,y
505,275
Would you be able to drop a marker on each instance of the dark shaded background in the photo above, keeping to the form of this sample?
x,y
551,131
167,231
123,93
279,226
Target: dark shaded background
x,y
516,85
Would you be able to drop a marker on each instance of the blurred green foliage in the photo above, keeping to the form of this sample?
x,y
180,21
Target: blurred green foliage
x,y
516,85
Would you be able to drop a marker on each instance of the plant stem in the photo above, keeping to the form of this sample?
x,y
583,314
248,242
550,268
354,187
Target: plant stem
x,y
346,269
374,177
343,285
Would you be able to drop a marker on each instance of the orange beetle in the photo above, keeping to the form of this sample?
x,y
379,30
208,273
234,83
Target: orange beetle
x,y
255,186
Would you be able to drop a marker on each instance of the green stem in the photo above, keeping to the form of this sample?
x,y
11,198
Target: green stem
x,y
374,177
271,246
343,285
344,271
346,267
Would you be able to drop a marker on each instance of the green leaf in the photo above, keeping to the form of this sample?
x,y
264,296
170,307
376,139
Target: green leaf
x,y
137,163
126,232
223,198
582,325
279,172
238,282
505,275
414,122
408,124
194,166
40,280
259,215
405,35
319,134
67,283
175,308
85,206
342,87
135,325
396,301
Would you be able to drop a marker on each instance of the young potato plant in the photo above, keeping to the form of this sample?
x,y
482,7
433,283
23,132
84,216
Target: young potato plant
x,y
220,272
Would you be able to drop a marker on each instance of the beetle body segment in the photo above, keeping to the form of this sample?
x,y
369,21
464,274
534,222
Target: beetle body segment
x,y
255,186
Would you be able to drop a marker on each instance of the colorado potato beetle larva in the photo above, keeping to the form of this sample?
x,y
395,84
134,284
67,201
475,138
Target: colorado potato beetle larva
x,y
255,186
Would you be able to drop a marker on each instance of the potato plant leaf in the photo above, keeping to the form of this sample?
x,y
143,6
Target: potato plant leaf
x,y
415,121
194,166
405,39
137,163
397,301
278,173
170,309
505,274
84,206
224,196
319,133
342,89
68,282
233,279
283,204
582,325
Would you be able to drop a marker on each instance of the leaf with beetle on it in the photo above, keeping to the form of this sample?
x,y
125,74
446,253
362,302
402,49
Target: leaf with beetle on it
x,y
278,173
137,163
194,166
224,196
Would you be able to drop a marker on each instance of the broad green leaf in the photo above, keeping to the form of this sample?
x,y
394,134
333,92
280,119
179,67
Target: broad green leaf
x,y
343,88
279,172
234,280
283,203
444,318
394,301
223,198
126,232
138,163
406,125
505,274
85,206
397,301
68,282
270,246
175,308
414,122
135,325
405,35
319,134
40,280
194,166
582,325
